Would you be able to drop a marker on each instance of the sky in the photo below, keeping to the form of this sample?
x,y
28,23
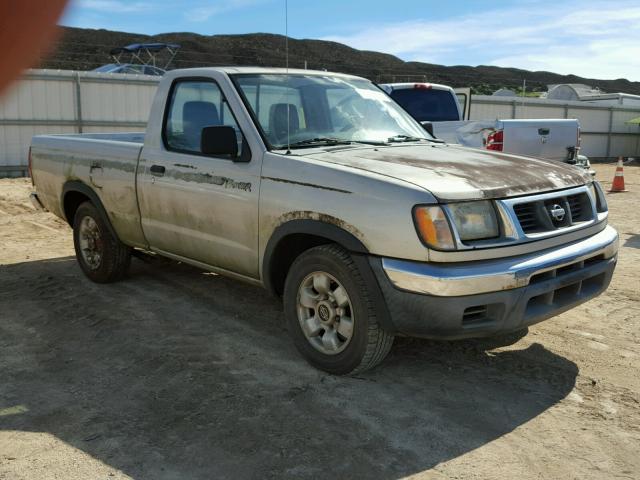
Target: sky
x,y
596,39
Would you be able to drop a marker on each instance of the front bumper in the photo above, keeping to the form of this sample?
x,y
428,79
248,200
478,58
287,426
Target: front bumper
x,y
468,299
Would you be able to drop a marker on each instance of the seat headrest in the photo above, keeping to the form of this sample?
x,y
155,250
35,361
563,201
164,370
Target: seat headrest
x,y
196,115
278,120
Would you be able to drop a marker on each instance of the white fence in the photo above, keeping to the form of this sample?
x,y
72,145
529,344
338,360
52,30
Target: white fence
x,y
63,101
604,131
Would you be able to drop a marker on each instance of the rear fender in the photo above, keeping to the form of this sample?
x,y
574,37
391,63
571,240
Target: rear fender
x,y
79,187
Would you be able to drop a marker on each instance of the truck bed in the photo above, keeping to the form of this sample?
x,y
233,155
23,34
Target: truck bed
x,y
112,145
107,162
129,137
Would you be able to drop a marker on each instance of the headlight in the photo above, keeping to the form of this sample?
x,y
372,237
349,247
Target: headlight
x,y
433,227
474,220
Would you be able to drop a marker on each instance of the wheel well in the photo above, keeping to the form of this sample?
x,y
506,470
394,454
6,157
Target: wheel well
x,y
288,249
72,200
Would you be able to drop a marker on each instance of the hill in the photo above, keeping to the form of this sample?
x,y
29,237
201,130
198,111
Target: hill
x,y
85,49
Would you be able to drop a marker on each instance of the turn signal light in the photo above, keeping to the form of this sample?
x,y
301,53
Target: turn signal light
x,y
433,227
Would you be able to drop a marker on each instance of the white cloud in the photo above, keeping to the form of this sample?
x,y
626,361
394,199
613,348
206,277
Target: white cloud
x,y
205,12
114,6
591,39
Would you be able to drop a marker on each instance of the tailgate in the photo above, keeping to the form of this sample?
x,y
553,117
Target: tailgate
x,y
540,137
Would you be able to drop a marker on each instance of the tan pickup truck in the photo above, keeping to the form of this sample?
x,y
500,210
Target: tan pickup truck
x,y
320,188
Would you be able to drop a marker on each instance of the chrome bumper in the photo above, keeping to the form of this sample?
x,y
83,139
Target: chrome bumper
x,y
471,278
35,201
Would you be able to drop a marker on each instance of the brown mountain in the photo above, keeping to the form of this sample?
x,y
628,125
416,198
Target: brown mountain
x,y
85,49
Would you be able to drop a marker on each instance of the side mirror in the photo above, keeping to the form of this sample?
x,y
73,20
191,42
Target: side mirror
x,y
428,126
219,140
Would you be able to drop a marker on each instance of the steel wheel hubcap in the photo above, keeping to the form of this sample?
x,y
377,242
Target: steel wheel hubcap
x,y
325,313
90,242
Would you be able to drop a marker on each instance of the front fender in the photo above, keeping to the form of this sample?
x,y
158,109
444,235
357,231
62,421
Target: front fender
x,y
332,233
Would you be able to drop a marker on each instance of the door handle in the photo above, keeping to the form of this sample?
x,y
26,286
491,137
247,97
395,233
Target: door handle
x,y
157,170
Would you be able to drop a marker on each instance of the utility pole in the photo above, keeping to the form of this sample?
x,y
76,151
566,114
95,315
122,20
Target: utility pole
x,y
524,92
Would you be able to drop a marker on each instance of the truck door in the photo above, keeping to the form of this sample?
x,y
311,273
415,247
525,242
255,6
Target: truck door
x,y
200,207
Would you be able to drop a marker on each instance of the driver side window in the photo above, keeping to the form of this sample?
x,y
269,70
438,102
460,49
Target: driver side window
x,y
194,106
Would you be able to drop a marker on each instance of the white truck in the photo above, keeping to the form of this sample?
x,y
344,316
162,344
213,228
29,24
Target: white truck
x,y
437,108
320,188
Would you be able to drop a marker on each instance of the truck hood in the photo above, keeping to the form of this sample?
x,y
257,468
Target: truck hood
x,y
452,172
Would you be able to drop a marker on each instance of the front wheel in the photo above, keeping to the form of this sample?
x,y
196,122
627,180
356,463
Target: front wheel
x,y
330,314
101,255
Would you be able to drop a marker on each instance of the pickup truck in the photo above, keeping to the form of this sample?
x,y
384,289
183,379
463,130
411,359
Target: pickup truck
x,y
437,108
320,188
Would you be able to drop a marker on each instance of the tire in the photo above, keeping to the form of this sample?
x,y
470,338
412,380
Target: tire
x,y
341,334
101,255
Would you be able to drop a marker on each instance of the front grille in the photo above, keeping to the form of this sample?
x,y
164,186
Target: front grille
x,y
526,213
580,207
553,213
575,205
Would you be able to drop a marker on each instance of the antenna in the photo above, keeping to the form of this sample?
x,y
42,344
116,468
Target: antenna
x,y
286,56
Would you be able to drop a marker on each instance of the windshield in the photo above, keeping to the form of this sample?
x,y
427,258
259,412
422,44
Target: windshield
x,y
106,68
303,110
428,104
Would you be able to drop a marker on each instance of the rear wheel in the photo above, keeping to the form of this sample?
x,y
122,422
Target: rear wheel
x,y
101,255
330,314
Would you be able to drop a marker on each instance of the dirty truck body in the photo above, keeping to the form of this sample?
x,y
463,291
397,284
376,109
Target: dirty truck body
x,y
318,187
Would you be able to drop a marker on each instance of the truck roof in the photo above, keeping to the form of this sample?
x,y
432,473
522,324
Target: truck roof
x,y
417,85
257,70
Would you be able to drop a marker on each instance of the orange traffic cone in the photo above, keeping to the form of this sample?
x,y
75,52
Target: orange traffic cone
x,y
618,179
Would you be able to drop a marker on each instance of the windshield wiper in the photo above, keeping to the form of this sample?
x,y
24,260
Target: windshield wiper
x,y
330,141
370,142
318,140
406,138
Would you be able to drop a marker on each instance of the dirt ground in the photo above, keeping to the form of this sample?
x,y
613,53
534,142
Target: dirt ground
x,y
179,374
